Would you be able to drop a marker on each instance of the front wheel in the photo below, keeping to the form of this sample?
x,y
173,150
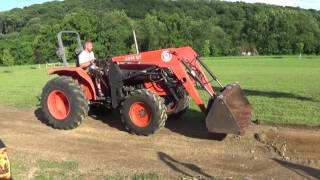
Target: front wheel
x,y
143,112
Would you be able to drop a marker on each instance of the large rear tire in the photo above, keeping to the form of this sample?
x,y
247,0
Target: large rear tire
x,y
143,112
64,103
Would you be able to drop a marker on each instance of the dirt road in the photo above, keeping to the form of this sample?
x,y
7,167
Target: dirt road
x,y
183,148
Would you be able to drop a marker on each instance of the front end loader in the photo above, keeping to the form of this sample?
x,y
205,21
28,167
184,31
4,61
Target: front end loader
x,y
146,88
227,111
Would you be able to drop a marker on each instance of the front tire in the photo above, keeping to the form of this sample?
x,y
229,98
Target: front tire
x,y
143,112
64,103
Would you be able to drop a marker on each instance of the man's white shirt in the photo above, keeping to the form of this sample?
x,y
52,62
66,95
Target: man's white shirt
x,y
86,56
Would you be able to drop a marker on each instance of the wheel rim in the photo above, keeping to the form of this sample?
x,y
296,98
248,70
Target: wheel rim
x,y
140,114
58,105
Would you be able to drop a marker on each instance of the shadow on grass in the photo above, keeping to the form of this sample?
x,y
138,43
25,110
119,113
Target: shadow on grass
x,y
311,57
277,94
277,57
180,166
300,169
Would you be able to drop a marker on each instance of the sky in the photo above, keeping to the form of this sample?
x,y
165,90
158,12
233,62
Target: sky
x,y
10,4
306,4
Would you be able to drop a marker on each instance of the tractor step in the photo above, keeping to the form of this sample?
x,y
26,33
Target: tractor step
x,y
100,98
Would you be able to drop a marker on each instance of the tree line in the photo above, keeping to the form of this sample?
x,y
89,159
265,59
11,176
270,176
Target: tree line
x,y
211,27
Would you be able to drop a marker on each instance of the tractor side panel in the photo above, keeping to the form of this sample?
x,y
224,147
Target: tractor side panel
x,y
81,76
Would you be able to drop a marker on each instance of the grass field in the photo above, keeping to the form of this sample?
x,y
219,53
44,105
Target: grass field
x,y
284,90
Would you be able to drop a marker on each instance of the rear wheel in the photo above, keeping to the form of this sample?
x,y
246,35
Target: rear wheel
x,y
64,103
143,112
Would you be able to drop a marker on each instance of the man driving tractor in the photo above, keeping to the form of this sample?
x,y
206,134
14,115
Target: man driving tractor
x,y
86,61
145,88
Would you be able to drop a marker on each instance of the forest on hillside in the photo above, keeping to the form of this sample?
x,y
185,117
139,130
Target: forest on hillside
x,y
212,27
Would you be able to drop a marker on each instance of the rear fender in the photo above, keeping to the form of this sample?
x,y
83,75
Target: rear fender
x,y
80,75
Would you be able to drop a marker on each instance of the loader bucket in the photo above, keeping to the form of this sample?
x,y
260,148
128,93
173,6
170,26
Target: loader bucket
x,y
230,112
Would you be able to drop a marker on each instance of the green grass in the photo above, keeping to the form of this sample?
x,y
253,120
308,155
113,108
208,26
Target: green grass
x,y
284,90
56,170
22,87
18,167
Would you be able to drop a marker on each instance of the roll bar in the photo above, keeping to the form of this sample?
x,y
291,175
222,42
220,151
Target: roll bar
x,y
61,52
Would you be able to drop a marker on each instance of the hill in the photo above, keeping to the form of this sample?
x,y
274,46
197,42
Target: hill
x,y
213,28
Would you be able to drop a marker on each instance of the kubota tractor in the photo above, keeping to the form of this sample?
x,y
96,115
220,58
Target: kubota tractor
x,y
145,87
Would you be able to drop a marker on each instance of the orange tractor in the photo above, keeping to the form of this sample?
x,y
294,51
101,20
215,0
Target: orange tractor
x,y
145,87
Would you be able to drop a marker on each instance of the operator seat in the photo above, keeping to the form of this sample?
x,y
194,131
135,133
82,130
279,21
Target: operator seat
x,y
77,52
